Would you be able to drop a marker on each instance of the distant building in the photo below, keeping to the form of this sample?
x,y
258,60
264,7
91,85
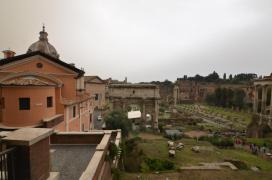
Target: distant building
x,y
261,124
263,98
190,91
137,97
96,87
39,90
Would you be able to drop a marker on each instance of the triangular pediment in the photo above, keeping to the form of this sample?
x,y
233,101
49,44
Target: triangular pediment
x,y
38,62
93,79
30,79
27,81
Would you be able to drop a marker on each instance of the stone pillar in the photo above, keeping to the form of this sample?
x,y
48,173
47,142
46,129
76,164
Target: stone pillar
x,y
264,97
156,115
271,102
256,100
32,152
143,114
123,105
175,95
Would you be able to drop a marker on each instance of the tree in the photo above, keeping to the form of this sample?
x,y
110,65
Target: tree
x,y
167,83
224,76
198,78
238,99
229,102
230,77
118,120
218,95
213,77
244,77
210,99
223,100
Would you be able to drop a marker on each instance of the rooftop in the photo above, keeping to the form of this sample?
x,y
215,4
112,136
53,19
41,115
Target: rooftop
x,y
27,136
71,160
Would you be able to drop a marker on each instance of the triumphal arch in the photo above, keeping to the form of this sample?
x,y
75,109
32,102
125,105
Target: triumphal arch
x,y
144,96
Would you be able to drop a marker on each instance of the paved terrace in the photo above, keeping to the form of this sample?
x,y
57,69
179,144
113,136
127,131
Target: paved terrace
x,y
71,160
41,153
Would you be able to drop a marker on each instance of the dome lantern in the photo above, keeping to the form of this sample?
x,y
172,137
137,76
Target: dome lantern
x,y
43,45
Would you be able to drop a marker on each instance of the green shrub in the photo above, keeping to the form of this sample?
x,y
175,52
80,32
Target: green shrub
x,y
161,109
118,120
116,174
133,156
144,167
113,150
161,127
222,142
158,164
131,144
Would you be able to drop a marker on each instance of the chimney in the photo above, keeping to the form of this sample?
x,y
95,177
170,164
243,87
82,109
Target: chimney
x,y
8,53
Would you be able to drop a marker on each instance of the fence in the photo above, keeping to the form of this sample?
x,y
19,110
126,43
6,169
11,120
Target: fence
x,y
7,171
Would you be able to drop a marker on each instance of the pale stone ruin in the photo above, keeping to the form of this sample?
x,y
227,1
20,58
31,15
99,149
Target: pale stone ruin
x,y
261,123
145,97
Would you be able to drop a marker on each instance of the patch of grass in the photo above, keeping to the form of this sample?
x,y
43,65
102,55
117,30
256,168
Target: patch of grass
x,y
223,142
159,149
203,175
229,112
239,119
185,157
156,165
164,115
249,159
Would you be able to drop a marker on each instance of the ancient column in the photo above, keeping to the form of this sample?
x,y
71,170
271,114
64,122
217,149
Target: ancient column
x,y
143,113
271,101
175,95
123,105
256,100
156,115
264,97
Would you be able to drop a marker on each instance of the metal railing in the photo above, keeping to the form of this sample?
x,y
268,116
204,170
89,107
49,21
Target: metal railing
x,y
7,171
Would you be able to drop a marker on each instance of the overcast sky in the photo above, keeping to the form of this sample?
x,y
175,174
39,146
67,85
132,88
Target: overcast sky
x,y
146,39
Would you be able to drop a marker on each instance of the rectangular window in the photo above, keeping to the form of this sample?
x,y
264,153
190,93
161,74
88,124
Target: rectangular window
x,y
74,111
96,97
24,103
49,101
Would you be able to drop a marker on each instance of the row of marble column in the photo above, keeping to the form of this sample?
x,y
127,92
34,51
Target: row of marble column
x,y
263,100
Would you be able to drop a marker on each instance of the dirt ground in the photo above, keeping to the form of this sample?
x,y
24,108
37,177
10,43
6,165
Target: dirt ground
x,y
150,136
194,134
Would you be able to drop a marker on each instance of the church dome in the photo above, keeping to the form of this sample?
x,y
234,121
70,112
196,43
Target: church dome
x,y
43,45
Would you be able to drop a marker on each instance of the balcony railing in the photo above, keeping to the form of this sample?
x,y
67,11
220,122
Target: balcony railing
x,y
7,171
